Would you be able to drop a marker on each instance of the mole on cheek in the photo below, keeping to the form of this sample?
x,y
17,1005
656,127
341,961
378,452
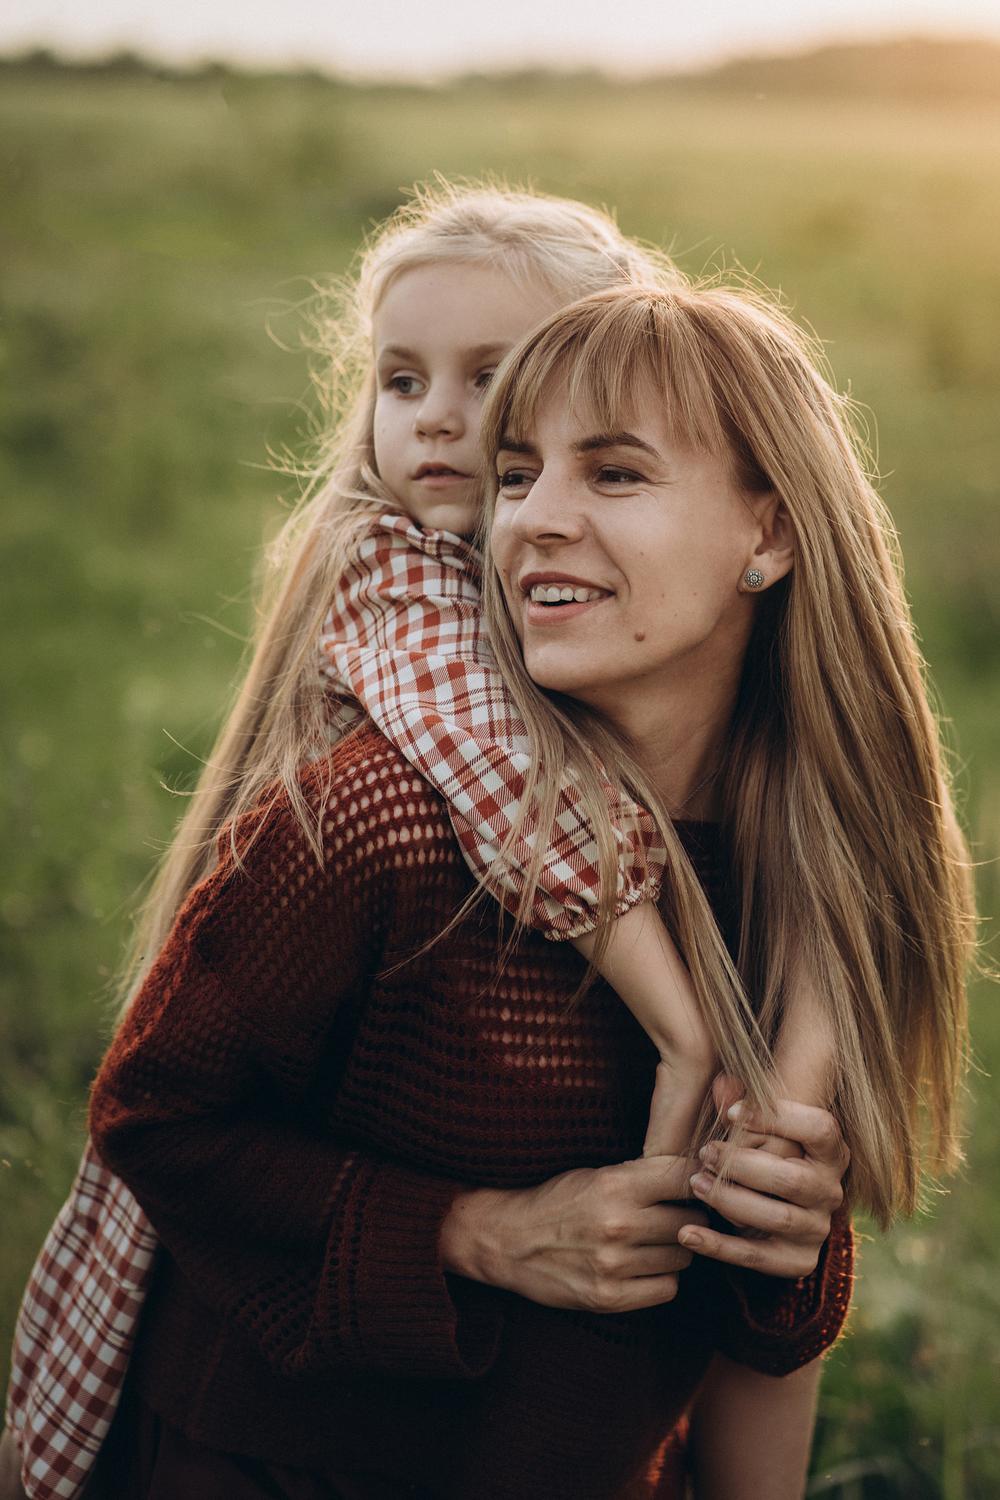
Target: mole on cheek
x,y
640,635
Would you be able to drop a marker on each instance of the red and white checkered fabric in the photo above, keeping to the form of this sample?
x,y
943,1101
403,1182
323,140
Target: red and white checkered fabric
x,y
405,637
75,1331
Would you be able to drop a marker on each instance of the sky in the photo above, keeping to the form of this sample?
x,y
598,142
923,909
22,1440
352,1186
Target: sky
x,y
431,38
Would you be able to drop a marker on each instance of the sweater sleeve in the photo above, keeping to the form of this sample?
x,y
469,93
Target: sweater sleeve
x,y
775,1326
404,636
210,1105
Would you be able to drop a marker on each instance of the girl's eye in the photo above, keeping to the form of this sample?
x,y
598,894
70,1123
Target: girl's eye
x,y
403,385
483,379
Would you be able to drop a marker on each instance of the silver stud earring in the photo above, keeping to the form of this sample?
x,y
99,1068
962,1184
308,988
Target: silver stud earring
x,y
753,578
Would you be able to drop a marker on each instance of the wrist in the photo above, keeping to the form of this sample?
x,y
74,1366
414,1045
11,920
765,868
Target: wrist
x,y
470,1235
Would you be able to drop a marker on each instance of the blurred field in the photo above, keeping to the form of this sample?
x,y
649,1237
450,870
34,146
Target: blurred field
x,y
150,232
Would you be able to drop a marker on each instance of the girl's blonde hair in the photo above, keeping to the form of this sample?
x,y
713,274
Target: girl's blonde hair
x,y
846,849
280,718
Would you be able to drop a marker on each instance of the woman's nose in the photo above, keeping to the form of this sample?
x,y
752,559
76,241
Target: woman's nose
x,y
547,514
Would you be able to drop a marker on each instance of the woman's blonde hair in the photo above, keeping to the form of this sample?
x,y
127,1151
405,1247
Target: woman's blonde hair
x,y
280,717
846,850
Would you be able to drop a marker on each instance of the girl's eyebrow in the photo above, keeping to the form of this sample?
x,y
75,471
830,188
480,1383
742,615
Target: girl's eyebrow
x,y
509,445
397,351
478,351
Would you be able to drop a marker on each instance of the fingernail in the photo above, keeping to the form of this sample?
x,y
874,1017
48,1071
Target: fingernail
x,y
735,1111
701,1182
709,1153
691,1238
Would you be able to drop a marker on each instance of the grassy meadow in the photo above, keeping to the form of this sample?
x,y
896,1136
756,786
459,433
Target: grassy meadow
x,y
159,239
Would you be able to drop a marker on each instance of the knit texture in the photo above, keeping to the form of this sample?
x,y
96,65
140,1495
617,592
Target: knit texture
x,y
295,1098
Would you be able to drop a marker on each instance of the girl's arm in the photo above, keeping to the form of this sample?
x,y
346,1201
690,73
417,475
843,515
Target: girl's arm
x,y
404,636
751,1434
642,964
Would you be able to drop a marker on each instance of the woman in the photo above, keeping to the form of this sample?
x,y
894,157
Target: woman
x,y
300,1122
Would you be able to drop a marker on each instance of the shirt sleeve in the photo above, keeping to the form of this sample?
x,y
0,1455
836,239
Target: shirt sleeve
x,y
210,1106
405,636
774,1325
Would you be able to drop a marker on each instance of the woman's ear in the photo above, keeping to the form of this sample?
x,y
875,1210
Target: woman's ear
x,y
774,554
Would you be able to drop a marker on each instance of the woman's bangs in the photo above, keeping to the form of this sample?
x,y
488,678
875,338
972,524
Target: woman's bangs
x,y
609,370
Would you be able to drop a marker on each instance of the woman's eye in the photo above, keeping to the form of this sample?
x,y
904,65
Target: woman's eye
x,y
403,385
514,479
621,477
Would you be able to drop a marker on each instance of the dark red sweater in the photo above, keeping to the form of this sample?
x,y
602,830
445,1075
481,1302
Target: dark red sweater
x,y
295,1098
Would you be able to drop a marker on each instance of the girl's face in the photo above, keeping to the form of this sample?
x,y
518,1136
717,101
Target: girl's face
x,y
646,543
439,333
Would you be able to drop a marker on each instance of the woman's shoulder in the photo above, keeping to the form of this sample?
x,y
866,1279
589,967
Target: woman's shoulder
x,y
374,805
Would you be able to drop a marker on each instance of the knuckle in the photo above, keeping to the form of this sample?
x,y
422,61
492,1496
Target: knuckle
x,y
606,1261
828,1136
614,1229
670,1289
750,1256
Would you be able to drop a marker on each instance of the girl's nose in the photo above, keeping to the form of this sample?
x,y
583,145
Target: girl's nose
x,y
440,414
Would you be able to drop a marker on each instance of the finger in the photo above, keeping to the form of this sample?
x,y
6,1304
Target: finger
x,y
752,1210
659,1225
777,1145
656,1179
815,1130
658,1260
641,1292
726,1091
792,1178
772,1257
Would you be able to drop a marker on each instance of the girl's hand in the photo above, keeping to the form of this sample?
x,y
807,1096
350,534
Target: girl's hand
x,y
595,1239
678,1095
791,1200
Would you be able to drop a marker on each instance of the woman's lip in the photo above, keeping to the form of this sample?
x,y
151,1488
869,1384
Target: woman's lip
x,y
566,580
555,614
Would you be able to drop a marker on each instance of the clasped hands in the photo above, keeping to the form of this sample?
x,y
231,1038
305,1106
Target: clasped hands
x,y
610,1239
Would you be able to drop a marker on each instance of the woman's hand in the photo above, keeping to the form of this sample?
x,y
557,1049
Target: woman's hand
x,y
597,1239
790,1200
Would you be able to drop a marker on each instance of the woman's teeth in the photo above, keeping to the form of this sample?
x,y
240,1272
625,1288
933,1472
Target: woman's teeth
x,y
551,593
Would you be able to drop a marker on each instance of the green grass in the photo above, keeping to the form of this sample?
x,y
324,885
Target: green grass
x,y
150,233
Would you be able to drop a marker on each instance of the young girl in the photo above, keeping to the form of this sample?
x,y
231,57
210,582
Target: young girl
x,y
444,292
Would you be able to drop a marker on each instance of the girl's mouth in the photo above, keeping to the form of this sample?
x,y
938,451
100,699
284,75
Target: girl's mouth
x,y
435,475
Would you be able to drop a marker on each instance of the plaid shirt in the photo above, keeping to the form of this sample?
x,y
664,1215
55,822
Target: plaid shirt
x,y
404,638
75,1331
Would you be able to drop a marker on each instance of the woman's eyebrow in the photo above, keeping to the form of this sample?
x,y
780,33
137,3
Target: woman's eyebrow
x,y
615,440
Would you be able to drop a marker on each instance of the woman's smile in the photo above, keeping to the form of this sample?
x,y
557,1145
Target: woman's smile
x,y
554,598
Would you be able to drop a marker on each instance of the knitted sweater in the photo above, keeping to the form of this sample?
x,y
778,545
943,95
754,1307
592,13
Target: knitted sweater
x,y
295,1098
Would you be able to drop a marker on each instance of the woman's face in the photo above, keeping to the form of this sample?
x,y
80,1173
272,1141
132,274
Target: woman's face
x,y
645,543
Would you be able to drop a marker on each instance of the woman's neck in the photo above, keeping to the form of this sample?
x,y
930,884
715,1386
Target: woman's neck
x,y
683,761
